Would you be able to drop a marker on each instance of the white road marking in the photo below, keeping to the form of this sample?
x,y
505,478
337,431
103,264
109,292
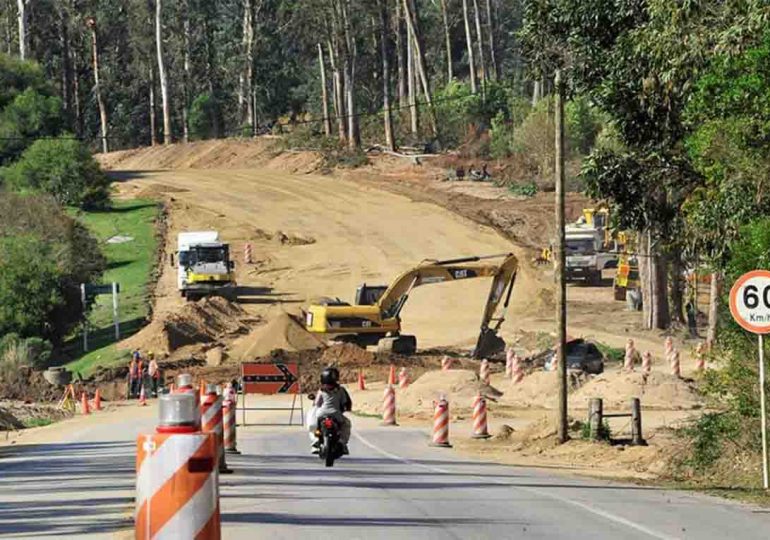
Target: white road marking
x,y
596,511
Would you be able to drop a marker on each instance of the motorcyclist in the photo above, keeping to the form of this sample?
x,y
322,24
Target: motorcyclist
x,y
333,401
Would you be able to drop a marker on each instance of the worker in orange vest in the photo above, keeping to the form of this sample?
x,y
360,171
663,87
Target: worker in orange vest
x,y
154,373
135,373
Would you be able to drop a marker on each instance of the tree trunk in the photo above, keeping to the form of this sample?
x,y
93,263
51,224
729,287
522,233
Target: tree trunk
x,y
413,29
66,62
23,18
339,93
165,98
245,106
8,26
653,269
414,113
186,66
469,44
153,121
98,87
385,52
76,92
495,71
480,44
677,288
324,93
537,92
402,57
354,136
447,42
715,290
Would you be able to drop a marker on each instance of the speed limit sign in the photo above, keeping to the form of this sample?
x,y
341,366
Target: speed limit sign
x,y
750,301
750,306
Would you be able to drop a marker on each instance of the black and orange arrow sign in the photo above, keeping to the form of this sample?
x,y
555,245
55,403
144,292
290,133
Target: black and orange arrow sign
x,y
270,378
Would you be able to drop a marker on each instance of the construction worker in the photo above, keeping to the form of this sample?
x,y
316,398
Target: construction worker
x,y
153,371
135,373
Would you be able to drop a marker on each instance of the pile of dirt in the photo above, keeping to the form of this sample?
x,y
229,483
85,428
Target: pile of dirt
x,y
284,332
17,415
206,321
26,384
8,422
285,239
656,391
538,390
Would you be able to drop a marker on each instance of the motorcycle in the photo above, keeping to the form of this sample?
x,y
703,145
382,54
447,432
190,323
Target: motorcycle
x,y
328,434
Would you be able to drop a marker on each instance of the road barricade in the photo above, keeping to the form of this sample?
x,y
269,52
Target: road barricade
x,y
177,483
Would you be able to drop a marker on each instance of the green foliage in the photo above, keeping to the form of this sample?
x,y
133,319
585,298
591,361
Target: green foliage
x,y
63,169
612,354
525,190
583,125
28,116
68,246
38,422
707,438
29,286
33,352
17,76
204,117
605,433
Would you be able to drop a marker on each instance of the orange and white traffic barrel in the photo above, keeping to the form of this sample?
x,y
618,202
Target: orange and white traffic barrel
x,y
675,364
446,363
668,347
403,378
646,362
509,354
247,254
228,411
389,406
177,483
517,372
700,360
480,427
484,371
441,424
212,420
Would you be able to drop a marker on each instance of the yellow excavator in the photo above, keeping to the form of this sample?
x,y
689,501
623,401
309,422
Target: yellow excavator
x,y
374,318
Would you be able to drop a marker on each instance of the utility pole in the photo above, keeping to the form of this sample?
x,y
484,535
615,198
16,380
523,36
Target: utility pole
x,y
559,259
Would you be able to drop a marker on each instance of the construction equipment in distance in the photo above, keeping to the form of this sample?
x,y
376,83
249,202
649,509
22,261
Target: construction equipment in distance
x,y
203,265
374,319
590,246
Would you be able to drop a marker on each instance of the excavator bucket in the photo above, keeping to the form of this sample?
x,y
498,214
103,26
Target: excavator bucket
x,y
488,344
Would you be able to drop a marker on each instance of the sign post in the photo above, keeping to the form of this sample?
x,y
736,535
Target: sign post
x,y
750,307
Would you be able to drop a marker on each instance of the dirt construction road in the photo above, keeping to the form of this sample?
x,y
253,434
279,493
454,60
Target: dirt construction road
x,y
336,235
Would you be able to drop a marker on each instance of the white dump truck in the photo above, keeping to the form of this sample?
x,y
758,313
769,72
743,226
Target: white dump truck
x,y
589,250
203,265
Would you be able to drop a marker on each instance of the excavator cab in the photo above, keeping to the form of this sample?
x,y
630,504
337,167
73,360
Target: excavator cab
x,y
369,295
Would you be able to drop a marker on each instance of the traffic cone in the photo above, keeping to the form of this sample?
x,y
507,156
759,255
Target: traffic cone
x,y
484,371
361,380
142,397
202,390
98,400
84,404
392,375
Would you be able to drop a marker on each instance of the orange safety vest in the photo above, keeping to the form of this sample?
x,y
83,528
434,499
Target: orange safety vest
x,y
133,373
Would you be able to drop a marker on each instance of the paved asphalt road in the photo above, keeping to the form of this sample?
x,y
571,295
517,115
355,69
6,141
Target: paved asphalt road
x,y
392,486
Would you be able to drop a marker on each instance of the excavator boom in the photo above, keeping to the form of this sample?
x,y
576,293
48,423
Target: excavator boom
x,y
368,324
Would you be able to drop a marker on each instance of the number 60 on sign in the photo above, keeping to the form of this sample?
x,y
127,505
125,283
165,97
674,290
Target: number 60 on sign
x,y
750,301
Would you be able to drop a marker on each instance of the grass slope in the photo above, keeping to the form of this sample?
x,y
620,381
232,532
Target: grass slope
x,y
130,264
